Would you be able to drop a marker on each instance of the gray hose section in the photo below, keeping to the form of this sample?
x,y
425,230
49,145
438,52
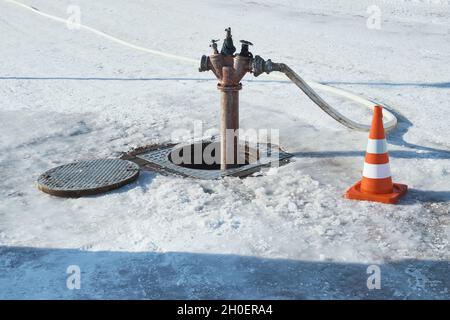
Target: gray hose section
x,y
299,82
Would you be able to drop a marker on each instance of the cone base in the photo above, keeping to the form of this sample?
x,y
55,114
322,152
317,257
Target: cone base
x,y
355,193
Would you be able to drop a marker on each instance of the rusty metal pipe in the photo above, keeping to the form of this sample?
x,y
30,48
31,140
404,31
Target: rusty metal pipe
x,y
229,128
229,70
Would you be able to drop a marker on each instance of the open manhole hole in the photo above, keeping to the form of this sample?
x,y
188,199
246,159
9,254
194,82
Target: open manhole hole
x,y
201,160
206,156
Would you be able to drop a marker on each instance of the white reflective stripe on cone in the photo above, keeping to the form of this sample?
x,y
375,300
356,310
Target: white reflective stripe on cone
x,y
376,171
376,146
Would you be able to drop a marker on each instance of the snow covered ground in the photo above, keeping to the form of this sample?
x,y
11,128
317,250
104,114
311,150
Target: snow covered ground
x,y
68,95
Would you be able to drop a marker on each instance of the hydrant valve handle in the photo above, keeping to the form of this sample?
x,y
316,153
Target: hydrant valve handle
x,y
248,43
213,45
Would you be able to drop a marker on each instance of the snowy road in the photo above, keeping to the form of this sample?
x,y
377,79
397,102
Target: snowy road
x,y
68,95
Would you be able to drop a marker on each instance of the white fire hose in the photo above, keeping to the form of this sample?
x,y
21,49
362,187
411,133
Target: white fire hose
x,y
259,65
390,121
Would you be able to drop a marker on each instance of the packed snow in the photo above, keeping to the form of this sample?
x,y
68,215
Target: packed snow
x,y
286,233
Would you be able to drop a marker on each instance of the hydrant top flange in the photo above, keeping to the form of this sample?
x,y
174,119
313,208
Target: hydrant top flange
x,y
229,68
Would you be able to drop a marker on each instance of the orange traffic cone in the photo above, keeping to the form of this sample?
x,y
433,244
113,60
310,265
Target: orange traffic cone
x,y
376,183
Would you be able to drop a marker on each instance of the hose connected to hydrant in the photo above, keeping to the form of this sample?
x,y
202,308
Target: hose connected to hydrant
x,y
305,86
388,125
230,69
258,65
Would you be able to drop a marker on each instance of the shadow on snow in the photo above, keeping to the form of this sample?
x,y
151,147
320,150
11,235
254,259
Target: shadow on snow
x,y
41,273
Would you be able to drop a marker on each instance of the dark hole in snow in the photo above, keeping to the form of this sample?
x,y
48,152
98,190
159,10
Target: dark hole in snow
x,y
206,156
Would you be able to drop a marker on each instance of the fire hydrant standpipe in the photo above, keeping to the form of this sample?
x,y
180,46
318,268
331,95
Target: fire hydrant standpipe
x,y
230,69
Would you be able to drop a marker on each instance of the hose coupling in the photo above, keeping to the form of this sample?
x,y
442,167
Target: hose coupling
x,y
259,65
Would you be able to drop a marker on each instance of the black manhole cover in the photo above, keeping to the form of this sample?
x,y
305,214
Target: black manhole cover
x,y
87,177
